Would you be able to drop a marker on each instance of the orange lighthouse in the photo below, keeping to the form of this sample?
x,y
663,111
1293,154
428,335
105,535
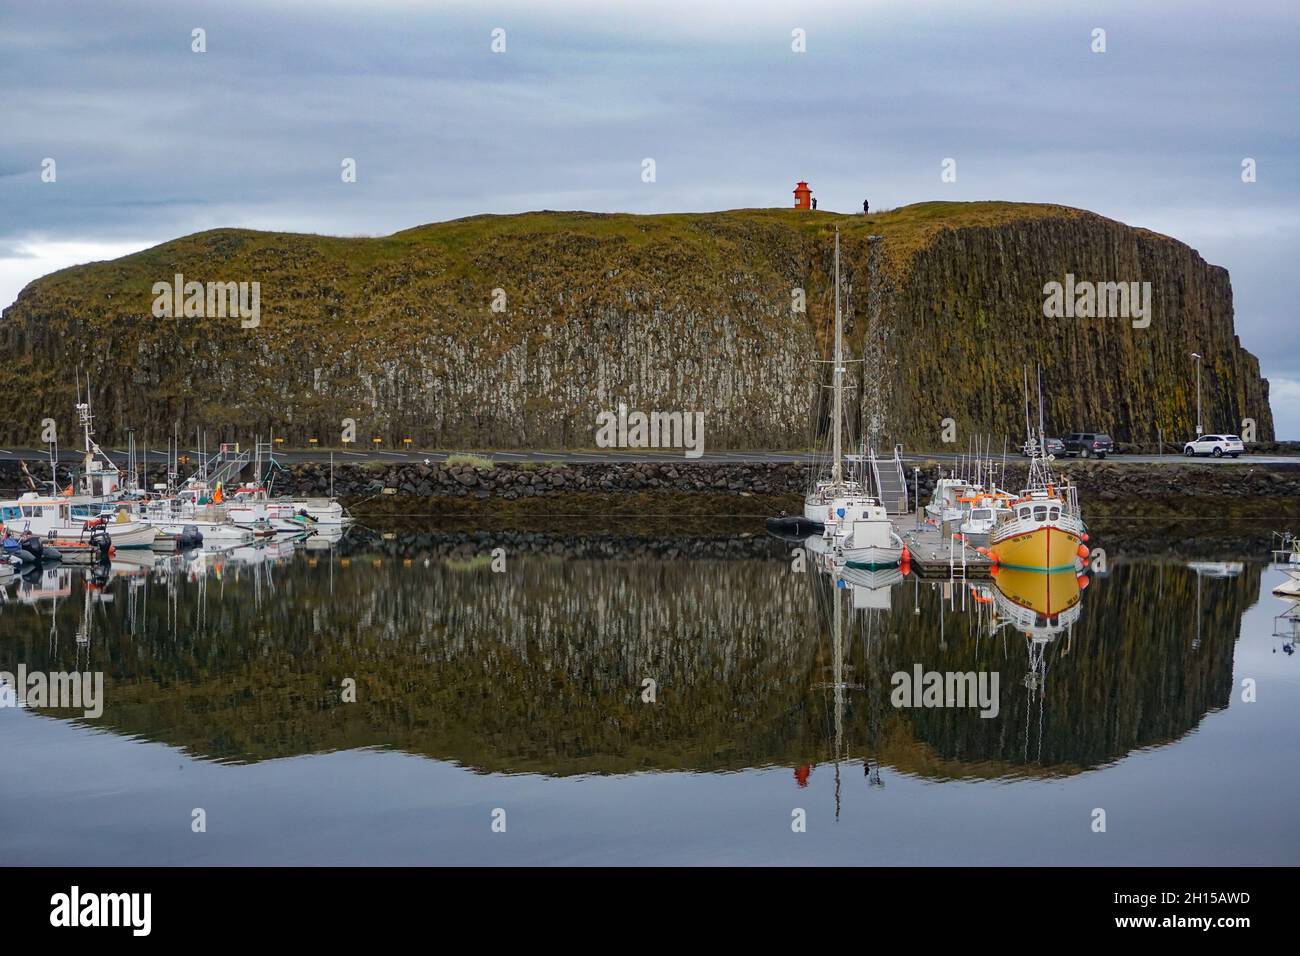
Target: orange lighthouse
x,y
802,196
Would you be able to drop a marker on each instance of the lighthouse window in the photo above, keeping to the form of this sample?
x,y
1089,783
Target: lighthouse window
x,y
1040,513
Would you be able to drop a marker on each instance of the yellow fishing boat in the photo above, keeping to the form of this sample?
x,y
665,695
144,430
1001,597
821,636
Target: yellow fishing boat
x,y
1042,529
1040,535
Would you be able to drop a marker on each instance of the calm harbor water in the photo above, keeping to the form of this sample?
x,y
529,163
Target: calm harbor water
x,y
518,695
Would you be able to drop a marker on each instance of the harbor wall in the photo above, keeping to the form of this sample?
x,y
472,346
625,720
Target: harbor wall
x,y
1098,481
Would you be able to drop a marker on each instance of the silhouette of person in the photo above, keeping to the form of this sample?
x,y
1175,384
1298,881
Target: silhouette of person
x,y
865,207
814,204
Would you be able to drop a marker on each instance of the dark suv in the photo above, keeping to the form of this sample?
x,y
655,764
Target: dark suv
x,y
1087,444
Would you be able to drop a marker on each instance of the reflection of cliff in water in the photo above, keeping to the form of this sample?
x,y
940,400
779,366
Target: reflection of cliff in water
x,y
540,668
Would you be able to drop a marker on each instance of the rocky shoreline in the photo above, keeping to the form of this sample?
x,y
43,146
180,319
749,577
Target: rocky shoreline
x,y
685,488
371,487
748,484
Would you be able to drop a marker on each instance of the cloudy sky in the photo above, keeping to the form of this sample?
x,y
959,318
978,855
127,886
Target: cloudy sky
x,y
152,140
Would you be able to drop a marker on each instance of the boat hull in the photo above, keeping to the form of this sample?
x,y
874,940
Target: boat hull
x,y
872,557
1045,548
131,535
793,527
212,532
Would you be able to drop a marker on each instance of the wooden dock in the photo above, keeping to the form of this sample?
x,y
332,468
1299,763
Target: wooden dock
x,y
936,554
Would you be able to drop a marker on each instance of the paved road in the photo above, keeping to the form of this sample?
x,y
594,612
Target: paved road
x,y
293,456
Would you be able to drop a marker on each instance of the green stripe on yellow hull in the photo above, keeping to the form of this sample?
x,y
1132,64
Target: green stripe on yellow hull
x,y
1043,549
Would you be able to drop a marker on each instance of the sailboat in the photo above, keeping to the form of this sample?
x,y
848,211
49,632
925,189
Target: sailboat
x,y
1042,529
843,519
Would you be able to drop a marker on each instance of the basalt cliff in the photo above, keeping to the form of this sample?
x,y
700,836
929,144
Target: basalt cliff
x,y
510,331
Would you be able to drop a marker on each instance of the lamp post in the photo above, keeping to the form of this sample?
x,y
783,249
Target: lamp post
x,y
1196,355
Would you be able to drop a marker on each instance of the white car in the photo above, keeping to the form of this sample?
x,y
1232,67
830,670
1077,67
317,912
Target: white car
x,y
1216,445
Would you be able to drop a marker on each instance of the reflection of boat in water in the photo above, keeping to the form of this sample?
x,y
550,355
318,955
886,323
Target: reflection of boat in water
x,y
1043,606
871,590
870,584
1217,569
325,538
1040,604
45,584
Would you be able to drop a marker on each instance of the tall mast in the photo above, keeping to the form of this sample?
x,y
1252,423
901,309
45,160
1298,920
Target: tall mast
x,y
1029,431
1042,428
837,470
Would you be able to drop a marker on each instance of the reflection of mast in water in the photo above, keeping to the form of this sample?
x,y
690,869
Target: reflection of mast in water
x,y
870,591
837,686
1210,569
94,593
1042,605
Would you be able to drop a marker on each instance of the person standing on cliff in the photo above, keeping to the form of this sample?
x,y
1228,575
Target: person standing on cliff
x,y
814,205
865,207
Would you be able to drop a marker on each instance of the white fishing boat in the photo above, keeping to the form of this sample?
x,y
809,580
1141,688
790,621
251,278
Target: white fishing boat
x,y
84,507
320,511
73,518
944,504
1289,589
854,524
969,500
251,504
173,515
986,510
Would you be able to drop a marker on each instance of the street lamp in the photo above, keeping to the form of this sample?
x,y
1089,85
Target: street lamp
x,y
1197,356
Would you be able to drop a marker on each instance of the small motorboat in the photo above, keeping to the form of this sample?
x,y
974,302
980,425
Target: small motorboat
x,y
793,527
15,551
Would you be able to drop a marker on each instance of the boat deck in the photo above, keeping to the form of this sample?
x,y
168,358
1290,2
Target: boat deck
x,y
933,555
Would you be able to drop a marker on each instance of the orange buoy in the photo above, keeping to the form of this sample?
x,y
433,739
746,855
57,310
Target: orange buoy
x,y
1083,551
907,555
1083,581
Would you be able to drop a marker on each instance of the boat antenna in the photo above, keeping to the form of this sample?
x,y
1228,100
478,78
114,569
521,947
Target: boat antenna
x,y
1042,429
837,471
1029,431
54,464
